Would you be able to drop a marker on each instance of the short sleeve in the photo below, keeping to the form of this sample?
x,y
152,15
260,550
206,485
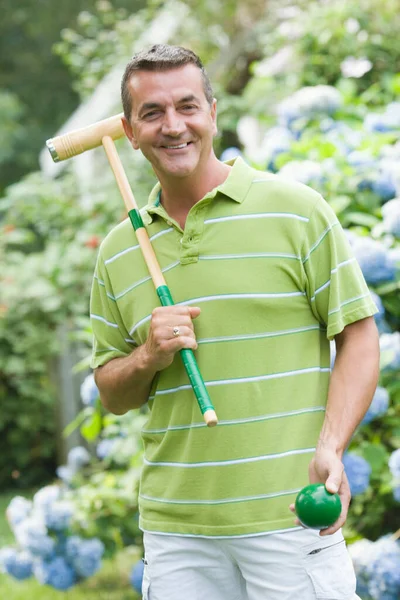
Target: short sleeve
x,y
336,288
110,337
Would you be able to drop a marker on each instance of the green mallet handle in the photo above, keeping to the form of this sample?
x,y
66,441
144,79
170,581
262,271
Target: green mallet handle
x,y
162,290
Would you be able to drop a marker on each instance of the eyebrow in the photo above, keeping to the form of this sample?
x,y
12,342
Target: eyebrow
x,y
156,105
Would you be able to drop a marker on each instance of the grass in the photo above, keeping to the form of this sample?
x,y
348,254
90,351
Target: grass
x,y
110,583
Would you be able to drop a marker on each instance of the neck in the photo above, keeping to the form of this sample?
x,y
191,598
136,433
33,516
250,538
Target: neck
x,y
179,195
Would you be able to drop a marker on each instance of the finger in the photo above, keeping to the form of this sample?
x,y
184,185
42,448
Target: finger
x,y
334,481
333,528
189,311
178,331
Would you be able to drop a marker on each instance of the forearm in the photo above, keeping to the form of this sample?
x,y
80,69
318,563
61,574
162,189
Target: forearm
x,y
125,383
353,382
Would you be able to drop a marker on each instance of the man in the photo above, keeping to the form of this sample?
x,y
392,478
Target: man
x,y
264,269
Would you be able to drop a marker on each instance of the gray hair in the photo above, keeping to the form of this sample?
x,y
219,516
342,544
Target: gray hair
x,y
161,57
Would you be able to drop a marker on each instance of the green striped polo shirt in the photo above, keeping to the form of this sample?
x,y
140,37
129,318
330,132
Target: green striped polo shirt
x,y
271,269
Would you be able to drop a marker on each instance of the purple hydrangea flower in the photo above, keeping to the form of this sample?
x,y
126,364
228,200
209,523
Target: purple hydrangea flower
x,y
84,555
378,406
358,472
89,391
16,563
57,573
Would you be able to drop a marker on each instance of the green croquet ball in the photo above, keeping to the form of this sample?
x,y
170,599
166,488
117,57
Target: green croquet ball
x,y
316,507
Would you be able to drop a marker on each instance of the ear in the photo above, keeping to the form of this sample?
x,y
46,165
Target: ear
x,y
214,117
129,132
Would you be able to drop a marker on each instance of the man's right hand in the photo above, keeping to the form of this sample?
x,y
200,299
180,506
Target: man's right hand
x,y
171,330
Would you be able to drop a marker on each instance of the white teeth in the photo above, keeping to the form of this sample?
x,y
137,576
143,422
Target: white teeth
x,y
176,147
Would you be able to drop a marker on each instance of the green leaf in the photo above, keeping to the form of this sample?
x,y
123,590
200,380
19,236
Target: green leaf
x,y
376,455
92,428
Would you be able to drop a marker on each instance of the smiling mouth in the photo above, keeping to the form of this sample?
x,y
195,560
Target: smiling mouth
x,y
177,146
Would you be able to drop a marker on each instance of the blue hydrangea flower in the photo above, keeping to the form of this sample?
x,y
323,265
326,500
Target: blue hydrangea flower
x,y
360,553
66,474
374,260
136,576
18,510
58,516
389,120
276,141
390,351
46,496
391,217
384,582
105,447
378,406
358,472
16,563
57,573
394,463
396,493
78,457
31,534
304,171
84,555
308,102
379,305
89,391
230,154
384,184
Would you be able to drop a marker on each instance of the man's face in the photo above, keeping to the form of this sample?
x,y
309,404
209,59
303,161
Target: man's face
x,y
171,120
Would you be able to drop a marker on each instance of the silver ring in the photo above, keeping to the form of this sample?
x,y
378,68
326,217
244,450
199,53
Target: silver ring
x,y
176,331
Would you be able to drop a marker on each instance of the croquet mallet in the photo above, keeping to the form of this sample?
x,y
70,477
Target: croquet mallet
x,y
104,133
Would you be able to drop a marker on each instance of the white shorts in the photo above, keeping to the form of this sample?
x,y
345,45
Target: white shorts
x,y
294,565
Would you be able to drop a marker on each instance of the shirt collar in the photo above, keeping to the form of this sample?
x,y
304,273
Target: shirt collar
x,y
235,187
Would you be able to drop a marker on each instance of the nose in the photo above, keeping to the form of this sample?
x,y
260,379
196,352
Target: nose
x,y
172,124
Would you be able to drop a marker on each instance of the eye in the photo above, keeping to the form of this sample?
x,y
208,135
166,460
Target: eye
x,y
152,114
188,107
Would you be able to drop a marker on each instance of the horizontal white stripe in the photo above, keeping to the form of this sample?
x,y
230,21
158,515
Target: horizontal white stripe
x,y
224,463
222,501
131,248
99,280
98,318
256,255
111,348
333,271
331,312
246,379
202,424
258,216
254,336
317,243
137,283
129,341
224,537
221,297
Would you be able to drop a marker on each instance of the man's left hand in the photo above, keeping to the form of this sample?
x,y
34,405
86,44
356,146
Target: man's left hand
x,y
326,467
